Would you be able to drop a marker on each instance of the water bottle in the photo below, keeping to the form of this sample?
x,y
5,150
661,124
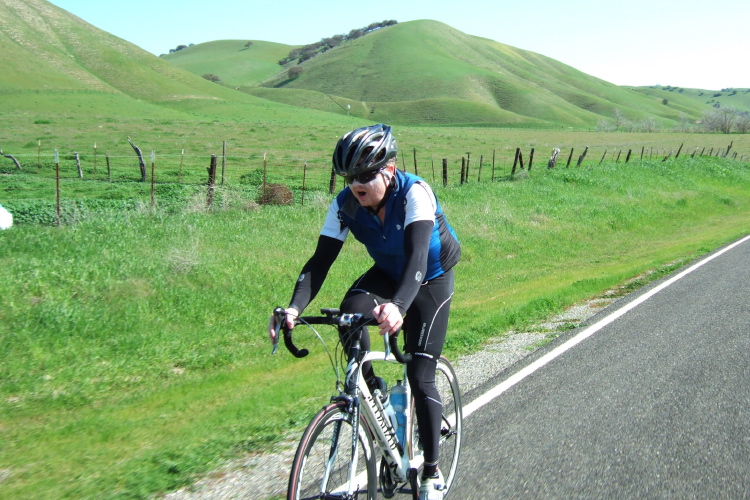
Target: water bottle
x,y
398,401
390,413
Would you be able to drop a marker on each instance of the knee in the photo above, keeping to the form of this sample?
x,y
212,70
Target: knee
x,y
358,303
421,374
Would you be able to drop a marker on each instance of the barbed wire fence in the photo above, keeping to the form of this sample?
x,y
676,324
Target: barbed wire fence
x,y
101,179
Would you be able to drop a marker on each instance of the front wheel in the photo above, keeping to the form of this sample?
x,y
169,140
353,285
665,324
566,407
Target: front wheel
x,y
321,467
451,427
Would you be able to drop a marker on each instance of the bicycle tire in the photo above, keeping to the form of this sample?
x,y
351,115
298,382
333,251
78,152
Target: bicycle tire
x,y
452,427
317,446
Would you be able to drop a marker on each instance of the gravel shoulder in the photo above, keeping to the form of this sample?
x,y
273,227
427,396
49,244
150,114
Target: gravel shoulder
x,y
263,476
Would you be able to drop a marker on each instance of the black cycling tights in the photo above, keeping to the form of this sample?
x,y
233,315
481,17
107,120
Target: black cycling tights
x,y
425,325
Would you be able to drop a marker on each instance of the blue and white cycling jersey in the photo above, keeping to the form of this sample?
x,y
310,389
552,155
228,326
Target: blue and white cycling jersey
x,y
410,200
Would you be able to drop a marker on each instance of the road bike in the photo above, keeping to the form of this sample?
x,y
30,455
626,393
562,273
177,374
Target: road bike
x,y
337,455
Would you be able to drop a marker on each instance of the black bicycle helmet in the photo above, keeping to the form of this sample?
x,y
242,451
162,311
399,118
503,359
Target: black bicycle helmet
x,y
364,149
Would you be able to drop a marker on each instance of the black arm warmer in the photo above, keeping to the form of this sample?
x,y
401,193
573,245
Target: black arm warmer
x,y
315,271
416,245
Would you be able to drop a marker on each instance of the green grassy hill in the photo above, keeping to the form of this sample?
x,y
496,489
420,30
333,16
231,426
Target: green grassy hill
x,y
232,61
53,62
414,73
427,72
700,99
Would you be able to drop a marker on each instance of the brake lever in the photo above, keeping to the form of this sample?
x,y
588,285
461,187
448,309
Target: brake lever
x,y
276,340
279,314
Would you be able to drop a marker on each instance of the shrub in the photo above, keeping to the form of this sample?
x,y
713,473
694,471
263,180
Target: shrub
x,y
276,194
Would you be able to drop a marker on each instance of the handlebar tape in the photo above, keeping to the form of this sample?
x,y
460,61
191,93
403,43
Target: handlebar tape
x,y
281,321
400,356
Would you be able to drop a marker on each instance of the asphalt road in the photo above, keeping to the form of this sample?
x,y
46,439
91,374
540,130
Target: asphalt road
x,y
649,401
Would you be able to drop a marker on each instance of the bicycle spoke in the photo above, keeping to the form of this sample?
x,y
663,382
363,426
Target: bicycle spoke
x,y
322,465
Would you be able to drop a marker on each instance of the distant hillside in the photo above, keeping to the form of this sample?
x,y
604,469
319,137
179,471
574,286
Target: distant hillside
x,y
427,72
233,61
418,72
703,99
46,54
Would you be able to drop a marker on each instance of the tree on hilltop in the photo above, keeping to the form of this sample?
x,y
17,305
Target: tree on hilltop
x,y
309,51
179,48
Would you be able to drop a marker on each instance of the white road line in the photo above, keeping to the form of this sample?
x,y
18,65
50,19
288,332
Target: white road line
x,y
588,332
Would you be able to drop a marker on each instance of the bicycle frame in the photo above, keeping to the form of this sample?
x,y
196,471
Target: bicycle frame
x,y
396,454
376,421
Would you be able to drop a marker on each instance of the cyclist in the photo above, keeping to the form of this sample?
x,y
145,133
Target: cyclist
x,y
400,222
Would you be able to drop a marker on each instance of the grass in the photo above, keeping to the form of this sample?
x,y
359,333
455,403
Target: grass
x,y
134,345
232,61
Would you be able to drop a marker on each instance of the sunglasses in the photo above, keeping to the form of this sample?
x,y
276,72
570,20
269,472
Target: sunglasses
x,y
364,177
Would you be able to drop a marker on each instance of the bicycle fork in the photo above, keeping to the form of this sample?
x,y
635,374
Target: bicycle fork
x,y
352,400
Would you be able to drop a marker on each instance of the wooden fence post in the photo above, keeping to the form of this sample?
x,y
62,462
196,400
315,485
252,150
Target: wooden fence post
x,y
605,154
493,165
179,172
212,182
57,185
416,171
265,166
153,178
515,161
109,168
304,176
627,158
553,159
583,155
223,160
618,156
531,158
445,172
94,159
140,160
678,151
463,170
332,183
569,158
479,175
78,164
468,162
11,157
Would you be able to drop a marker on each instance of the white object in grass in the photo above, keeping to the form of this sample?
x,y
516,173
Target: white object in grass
x,y
6,219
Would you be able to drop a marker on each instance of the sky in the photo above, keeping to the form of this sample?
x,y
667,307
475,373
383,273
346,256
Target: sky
x,y
682,43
